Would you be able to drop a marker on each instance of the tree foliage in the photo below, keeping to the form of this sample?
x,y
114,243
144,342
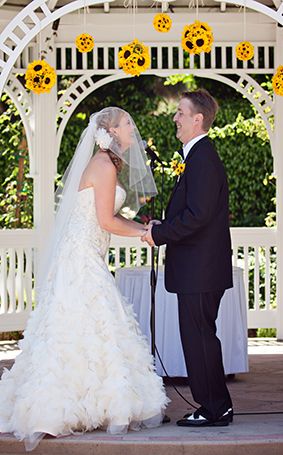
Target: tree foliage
x,y
239,135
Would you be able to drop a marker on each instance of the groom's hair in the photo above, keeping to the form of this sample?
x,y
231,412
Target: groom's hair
x,y
204,104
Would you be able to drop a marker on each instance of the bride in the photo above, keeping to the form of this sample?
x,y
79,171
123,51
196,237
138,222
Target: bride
x,y
84,362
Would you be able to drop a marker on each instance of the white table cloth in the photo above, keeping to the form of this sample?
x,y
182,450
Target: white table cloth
x,y
134,284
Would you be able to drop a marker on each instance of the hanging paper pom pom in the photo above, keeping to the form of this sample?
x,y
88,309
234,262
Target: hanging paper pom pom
x,y
84,42
197,38
40,77
244,50
277,81
162,22
134,58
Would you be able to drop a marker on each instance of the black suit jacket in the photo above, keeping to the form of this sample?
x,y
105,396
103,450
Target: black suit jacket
x,y
196,226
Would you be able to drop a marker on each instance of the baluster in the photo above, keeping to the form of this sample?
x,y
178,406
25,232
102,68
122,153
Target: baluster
x,y
105,58
95,58
74,61
128,257
246,272
117,257
234,58
202,62
84,57
180,58
170,57
235,255
63,58
28,279
213,58
159,56
256,278
19,279
256,57
267,277
266,57
11,280
3,275
139,256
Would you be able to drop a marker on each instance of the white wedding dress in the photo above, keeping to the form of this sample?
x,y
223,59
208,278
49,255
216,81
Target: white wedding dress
x,y
84,362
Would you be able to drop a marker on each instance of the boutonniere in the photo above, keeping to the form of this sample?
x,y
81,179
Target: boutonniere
x,y
177,167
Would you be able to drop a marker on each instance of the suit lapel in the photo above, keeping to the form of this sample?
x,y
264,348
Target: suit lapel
x,y
188,158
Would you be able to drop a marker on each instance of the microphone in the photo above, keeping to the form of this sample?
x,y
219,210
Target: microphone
x,y
151,153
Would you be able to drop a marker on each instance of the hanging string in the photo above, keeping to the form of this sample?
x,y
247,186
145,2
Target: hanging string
x,y
195,4
132,5
245,22
135,9
39,44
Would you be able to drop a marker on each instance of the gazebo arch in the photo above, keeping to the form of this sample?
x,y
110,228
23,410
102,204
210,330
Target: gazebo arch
x,y
19,42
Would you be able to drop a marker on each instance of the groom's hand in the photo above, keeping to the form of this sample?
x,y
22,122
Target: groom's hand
x,y
147,237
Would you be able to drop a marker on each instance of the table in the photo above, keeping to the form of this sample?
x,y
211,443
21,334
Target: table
x,y
134,284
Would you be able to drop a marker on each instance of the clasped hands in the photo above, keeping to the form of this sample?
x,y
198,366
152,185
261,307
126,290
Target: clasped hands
x,y
146,236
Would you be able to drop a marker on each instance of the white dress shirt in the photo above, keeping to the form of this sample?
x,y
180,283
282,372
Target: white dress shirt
x,y
187,147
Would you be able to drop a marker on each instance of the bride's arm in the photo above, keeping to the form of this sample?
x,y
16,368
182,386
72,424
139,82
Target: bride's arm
x,y
105,180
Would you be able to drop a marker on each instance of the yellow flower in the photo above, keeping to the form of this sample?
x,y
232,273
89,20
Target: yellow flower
x,y
40,77
174,164
177,167
277,81
84,42
182,167
244,50
134,58
197,38
162,22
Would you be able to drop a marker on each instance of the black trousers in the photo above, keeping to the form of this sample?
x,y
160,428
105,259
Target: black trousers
x,y
202,351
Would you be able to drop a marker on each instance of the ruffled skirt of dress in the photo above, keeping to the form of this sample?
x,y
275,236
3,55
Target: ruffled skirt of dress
x,y
84,362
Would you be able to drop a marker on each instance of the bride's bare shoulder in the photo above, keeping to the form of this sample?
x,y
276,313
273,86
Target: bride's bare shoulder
x,y
101,165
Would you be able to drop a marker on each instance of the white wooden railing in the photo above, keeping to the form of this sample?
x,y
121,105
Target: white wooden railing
x,y
170,55
254,249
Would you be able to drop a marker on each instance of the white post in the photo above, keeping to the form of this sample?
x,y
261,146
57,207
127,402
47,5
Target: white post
x,y
44,156
279,186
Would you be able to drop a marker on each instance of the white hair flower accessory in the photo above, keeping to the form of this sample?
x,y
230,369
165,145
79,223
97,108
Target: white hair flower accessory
x,y
102,138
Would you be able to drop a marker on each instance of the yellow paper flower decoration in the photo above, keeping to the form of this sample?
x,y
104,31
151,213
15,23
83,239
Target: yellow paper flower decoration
x,y
197,38
134,58
162,22
84,42
277,81
244,50
40,76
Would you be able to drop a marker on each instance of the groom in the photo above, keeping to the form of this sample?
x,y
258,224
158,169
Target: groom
x,y
198,257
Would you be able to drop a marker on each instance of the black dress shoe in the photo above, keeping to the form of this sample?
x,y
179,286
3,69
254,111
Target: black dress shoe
x,y
198,420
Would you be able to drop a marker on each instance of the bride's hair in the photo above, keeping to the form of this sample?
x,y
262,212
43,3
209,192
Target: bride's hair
x,y
107,120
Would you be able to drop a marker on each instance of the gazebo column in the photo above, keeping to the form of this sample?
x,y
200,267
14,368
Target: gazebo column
x,y
279,187
44,162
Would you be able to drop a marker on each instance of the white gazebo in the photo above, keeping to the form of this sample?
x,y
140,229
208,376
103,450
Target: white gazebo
x,y
23,33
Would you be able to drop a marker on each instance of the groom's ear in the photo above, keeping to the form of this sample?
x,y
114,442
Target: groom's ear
x,y
199,119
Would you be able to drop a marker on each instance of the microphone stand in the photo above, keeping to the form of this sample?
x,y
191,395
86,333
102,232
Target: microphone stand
x,y
152,277
153,283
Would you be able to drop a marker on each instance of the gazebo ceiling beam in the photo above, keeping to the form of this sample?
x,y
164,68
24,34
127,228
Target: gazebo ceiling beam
x,y
277,3
257,6
51,4
106,7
